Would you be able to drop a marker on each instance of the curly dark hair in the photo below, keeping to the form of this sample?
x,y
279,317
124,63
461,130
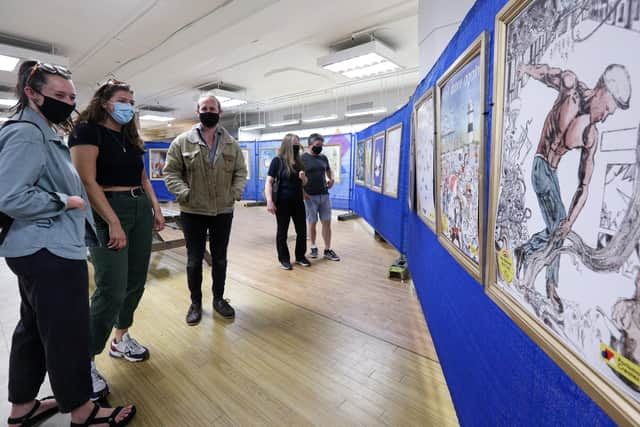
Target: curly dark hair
x,y
95,113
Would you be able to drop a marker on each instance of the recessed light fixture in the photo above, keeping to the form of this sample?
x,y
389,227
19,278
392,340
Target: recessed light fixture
x,y
230,102
153,118
284,123
257,126
317,119
8,63
8,102
368,59
370,111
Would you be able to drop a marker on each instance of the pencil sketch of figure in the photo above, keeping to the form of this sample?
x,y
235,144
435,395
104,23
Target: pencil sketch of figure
x,y
570,125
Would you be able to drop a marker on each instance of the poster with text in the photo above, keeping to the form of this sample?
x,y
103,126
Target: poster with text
x,y
460,150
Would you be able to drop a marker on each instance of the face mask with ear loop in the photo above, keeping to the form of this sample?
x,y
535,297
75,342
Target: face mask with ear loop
x,y
55,110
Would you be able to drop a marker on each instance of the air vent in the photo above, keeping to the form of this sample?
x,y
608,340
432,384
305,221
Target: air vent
x,y
220,85
156,108
296,116
361,106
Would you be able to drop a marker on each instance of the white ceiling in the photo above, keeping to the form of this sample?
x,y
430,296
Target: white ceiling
x,y
165,48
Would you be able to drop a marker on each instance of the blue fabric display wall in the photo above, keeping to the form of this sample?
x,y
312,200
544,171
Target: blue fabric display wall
x,y
496,374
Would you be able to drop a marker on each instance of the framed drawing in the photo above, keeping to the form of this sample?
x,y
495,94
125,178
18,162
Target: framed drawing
x,y
460,157
157,159
266,155
564,224
334,155
377,162
368,154
424,140
411,190
247,161
392,152
360,162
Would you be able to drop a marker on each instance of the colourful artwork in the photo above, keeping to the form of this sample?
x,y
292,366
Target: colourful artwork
x,y
460,144
266,155
157,159
377,166
564,224
360,163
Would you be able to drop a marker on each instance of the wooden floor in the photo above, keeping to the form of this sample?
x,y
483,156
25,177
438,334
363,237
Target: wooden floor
x,y
335,344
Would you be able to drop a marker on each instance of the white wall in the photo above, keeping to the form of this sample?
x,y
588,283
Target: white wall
x,y
438,20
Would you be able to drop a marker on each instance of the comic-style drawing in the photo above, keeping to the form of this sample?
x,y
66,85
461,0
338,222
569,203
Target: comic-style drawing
x,y
460,115
157,159
392,161
368,170
568,210
425,172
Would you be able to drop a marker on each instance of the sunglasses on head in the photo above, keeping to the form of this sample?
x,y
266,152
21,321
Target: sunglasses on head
x,y
48,68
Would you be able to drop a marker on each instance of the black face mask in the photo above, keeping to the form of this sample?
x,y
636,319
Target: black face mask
x,y
317,149
209,119
296,150
56,111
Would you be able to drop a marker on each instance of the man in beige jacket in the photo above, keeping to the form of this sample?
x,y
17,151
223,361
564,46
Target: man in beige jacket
x,y
206,172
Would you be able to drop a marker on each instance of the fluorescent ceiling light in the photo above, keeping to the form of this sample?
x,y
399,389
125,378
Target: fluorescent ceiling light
x,y
253,127
22,53
8,63
284,123
228,102
3,119
368,59
366,112
154,118
320,118
8,102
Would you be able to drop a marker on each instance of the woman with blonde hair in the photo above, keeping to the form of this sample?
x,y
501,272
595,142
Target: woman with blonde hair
x,y
283,191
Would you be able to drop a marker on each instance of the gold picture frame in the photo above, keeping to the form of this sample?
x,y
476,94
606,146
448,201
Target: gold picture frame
x,y
620,406
477,49
378,143
393,192
429,96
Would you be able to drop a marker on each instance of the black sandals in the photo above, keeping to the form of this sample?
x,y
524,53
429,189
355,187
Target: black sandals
x,y
30,419
111,419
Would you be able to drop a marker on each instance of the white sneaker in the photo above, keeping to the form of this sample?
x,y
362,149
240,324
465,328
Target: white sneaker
x,y
100,387
129,349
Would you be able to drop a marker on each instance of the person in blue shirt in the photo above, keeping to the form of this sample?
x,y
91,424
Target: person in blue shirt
x,y
46,248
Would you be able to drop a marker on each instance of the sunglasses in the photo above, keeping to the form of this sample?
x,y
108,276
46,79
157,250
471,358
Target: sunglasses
x,y
48,68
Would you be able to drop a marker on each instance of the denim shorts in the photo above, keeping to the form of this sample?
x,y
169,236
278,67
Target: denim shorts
x,y
318,205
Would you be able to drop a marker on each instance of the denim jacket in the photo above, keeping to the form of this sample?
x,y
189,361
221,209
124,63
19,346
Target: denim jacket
x,y
36,180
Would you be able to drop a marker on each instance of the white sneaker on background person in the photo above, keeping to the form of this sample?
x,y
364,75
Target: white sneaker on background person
x,y
128,348
100,387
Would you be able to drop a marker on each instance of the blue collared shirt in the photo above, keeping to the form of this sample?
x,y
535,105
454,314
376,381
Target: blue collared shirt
x,y
36,180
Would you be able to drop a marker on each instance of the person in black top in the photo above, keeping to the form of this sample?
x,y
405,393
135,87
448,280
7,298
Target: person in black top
x,y
287,170
107,151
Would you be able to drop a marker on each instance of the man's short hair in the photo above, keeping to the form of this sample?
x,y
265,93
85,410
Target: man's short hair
x,y
206,96
315,137
617,81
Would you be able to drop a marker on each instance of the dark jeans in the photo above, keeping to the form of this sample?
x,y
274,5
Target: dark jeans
x,y
53,332
120,276
195,228
287,209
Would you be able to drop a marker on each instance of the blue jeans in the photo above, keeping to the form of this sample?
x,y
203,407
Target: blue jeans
x,y
547,188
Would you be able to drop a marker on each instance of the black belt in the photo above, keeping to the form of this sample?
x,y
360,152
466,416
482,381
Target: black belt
x,y
134,193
